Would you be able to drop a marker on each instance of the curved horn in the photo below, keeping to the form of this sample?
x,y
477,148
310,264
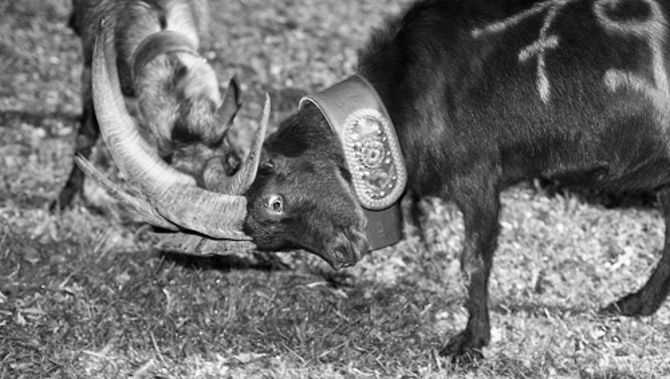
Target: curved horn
x,y
137,206
215,176
172,194
230,102
247,172
129,150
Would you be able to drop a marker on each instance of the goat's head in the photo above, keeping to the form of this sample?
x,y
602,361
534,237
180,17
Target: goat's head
x,y
338,151
303,197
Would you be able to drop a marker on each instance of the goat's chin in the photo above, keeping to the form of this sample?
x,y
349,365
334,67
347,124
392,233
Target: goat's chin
x,y
338,255
333,259
335,264
336,258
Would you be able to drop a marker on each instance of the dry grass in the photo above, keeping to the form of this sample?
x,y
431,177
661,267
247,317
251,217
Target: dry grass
x,y
83,295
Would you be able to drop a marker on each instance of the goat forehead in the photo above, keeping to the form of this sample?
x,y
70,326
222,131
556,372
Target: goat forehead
x,y
336,200
324,220
326,185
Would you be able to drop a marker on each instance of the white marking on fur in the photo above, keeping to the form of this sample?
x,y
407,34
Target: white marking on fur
x,y
654,31
538,48
500,26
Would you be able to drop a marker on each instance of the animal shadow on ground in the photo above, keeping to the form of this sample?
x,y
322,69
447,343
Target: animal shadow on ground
x,y
258,261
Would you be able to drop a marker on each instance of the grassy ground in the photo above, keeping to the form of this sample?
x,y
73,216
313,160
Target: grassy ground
x,y
83,295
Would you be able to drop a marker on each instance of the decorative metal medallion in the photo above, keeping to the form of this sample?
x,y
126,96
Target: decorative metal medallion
x,y
358,117
374,158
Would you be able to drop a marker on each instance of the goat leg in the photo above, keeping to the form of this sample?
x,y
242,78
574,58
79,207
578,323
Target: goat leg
x,y
87,136
650,297
480,205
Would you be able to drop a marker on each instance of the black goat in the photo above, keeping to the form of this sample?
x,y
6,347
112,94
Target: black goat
x,y
485,94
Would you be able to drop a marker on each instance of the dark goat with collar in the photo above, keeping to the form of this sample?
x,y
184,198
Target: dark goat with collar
x,y
485,94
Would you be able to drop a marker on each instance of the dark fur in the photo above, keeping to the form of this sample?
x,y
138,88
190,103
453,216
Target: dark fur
x,y
303,163
471,123
176,105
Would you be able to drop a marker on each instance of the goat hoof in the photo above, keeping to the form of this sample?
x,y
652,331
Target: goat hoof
x,y
54,206
464,349
612,310
630,305
58,205
63,201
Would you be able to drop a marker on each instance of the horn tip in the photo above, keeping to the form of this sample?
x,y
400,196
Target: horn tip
x,y
80,160
234,81
267,106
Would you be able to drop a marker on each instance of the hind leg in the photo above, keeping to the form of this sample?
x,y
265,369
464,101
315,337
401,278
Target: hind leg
x,y
87,136
648,299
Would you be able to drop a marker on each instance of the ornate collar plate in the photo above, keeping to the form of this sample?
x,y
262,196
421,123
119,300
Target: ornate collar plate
x,y
356,114
371,149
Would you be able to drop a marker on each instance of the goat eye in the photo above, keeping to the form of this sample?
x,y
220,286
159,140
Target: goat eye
x,y
275,204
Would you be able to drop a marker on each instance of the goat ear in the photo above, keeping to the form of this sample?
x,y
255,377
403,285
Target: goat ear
x,y
267,163
231,102
272,163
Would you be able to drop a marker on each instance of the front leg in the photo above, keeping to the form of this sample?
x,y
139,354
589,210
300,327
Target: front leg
x,y
480,207
88,133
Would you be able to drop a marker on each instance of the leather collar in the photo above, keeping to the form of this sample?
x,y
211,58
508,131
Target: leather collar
x,y
358,117
165,41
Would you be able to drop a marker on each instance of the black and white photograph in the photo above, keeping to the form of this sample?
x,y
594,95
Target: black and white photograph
x,y
335,189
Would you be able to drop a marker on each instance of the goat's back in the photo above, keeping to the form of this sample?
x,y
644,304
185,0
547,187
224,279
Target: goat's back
x,y
570,89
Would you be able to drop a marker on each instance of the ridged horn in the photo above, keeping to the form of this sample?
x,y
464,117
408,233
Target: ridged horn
x,y
230,102
247,172
171,194
215,176
136,206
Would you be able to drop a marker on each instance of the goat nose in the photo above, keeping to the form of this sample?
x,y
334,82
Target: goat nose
x,y
365,247
339,255
343,255
358,247
359,244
